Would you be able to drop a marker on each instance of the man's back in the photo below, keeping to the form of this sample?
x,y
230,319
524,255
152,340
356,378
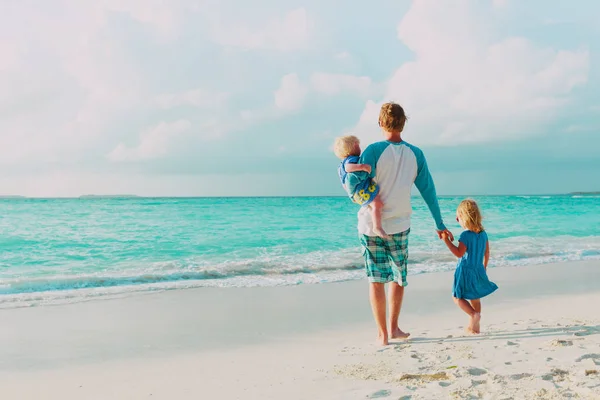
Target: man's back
x,y
396,166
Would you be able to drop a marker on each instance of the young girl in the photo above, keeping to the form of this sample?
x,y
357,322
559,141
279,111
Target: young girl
x,y
471,282
357,181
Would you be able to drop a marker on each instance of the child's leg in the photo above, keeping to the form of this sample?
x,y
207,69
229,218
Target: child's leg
x,y
376,207
474,315
476,304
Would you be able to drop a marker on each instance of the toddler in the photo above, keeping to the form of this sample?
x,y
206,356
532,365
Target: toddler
x,y
356,179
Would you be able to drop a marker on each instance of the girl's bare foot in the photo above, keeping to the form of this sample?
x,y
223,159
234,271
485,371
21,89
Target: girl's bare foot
x,y
397,333
477,322
473,327
381,233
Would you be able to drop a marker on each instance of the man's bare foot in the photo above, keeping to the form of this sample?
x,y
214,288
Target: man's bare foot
x,y
470,331
399,334
381,233
382,339
477,322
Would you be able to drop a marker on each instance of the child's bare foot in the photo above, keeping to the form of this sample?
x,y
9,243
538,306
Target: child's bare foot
x,y
473,327
397,333
477,322
381,233
382,339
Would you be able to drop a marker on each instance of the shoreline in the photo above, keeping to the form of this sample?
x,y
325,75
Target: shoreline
x,y
69,296
301,340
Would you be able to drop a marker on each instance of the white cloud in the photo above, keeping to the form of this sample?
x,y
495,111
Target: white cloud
x,y
463,86
291,93
342,55
163,16
500,3
67,77
9,56
289,32
154,142
199,98
333,84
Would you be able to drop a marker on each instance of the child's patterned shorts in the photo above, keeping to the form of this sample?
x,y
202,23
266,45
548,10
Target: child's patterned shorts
x,y
386,259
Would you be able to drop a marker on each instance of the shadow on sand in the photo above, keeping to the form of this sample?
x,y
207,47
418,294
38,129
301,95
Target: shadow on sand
x,y
574,331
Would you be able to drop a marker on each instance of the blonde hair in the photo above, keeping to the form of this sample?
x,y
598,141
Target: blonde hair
x,y
345,146
470,215
392,117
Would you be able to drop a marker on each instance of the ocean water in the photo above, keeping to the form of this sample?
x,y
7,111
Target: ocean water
x,y
65,250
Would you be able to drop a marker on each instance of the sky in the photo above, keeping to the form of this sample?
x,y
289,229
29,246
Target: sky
x,y
239,98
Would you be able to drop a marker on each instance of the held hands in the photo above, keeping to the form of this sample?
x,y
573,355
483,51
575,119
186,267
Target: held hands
x,y
446,235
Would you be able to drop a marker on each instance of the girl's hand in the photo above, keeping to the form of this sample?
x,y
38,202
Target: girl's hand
x,y
445,233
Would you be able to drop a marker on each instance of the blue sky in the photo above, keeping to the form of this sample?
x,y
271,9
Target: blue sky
x,y
206,97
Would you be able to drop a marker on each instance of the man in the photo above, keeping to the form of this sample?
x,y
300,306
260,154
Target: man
x,y
395,166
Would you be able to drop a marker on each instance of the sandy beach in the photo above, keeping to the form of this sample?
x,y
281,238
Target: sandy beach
x,y
540,339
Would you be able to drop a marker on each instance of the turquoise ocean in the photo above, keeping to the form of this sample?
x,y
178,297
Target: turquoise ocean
x,y
67,250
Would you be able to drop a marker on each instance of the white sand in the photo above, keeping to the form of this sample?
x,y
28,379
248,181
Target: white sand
x,y
541,335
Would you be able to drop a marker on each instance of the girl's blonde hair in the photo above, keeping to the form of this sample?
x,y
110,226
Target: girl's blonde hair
x,y
470,215
345,146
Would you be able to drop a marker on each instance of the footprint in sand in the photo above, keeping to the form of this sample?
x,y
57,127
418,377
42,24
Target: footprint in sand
x,y
509,343
401,347
380,394
518,377
556,375
594,357
561,343
476,371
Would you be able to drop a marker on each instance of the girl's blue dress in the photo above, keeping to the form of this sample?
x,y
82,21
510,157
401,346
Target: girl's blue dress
x,y
470,279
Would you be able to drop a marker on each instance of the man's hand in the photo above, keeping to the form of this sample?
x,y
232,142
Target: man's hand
x,y
445,233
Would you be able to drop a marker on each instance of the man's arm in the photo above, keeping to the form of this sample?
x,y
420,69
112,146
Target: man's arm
x,y
369,158
424,182
358,168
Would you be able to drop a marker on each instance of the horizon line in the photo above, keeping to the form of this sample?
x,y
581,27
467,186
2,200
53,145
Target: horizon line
x,y
133,196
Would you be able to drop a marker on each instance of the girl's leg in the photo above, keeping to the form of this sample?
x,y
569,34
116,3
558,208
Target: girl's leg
x,y
476,304
376,207
474,315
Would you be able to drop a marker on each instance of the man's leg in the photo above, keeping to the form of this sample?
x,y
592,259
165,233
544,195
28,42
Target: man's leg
x,y
377,297
396,297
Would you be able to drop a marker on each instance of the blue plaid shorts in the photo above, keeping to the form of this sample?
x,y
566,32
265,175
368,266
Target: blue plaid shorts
x,y
386,259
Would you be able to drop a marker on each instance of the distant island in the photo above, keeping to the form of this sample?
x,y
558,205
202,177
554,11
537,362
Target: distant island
x,y
108,196
585,193
12,197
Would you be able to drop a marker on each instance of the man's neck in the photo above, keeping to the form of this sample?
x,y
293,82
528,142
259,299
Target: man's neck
x,y
393,136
